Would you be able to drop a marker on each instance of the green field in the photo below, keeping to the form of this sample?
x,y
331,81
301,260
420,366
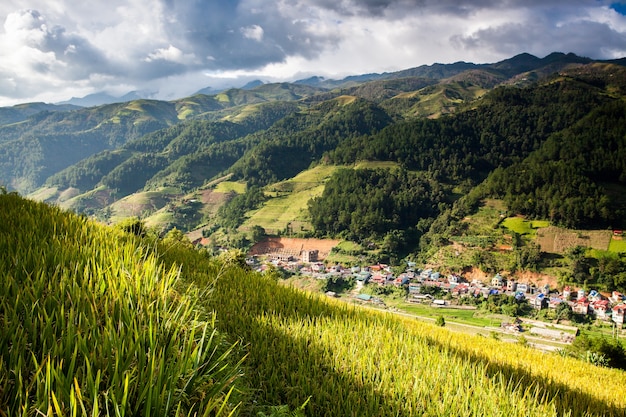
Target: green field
x,y
376,165
472,317
288,201
524,227
486,218
230,186
618,246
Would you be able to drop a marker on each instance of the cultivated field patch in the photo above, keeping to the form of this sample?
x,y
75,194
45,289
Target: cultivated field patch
x,y
554,239
617,245
522,226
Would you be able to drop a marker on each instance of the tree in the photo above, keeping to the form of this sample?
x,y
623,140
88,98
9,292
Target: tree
x,y
258,233
528,256
176,237
579,264
563,311
599,351
234,257
440,321
133,225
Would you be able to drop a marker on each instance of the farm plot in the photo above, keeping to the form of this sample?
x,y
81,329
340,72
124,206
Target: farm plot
x,y
558,240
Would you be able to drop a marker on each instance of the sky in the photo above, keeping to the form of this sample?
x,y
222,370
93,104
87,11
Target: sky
x,y
52,50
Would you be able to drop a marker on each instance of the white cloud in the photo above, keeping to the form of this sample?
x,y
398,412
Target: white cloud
x,y
253,32
173,54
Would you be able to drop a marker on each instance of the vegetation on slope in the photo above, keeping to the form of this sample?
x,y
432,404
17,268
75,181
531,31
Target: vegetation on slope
x,y
92,323
97,322
567,180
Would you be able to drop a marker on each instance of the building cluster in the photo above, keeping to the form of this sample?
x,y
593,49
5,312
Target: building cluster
x,y
600,306
593,303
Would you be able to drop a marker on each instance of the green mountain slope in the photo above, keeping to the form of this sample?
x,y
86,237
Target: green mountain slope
x,y
21,112
446,124
273,141
63,138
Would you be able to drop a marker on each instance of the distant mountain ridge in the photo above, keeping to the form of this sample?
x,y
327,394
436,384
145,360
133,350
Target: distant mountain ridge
x,y
21,112
37,140
509,67
98,99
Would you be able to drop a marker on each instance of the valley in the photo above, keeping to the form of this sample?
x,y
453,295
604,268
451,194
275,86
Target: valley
x,y
307,247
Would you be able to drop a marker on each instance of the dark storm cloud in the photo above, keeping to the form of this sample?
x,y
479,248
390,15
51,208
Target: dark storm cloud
x,y
542,37
241,35
397,8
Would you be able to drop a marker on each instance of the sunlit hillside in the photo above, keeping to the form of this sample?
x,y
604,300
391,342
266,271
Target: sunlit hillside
x,y
103,321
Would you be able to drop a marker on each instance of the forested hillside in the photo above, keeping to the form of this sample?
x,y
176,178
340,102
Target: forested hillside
x,y
545,135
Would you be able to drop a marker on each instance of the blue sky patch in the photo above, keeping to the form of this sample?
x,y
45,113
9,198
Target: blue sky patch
x,y
619,7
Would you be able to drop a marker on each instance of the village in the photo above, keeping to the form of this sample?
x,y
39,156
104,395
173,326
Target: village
x,y
429,287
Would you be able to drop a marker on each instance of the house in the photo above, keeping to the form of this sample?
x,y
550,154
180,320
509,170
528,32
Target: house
x,y
402,279
378,278
600,308
309,256
511,285
581,294
581,306
497,281
618,314
420,298
553,334
554,302
363,276
431,283
415,288
425,274
522,287
539,302
616,297
318,267
567,293
460,289
595,295
453,279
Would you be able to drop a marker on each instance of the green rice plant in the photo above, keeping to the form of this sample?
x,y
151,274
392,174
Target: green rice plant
x,y
93,323
356,362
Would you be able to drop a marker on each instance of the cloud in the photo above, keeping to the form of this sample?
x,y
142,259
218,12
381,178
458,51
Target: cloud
x,y
36,54
172,54
597,33
253,32
57,47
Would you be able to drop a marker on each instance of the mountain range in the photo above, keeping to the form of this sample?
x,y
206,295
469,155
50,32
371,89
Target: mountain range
x,y
452,124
